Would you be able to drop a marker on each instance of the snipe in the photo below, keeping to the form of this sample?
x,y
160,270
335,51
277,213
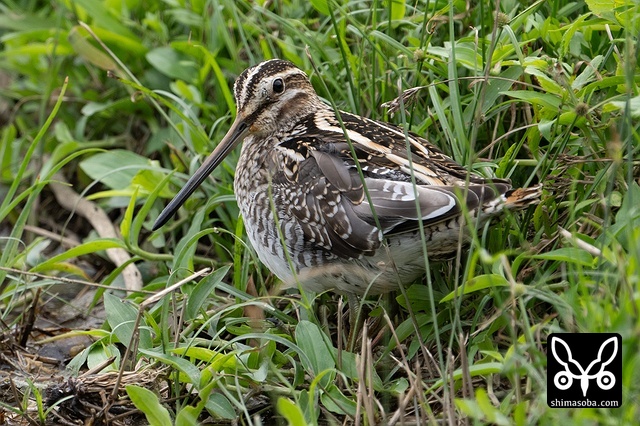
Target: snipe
x,y
310,216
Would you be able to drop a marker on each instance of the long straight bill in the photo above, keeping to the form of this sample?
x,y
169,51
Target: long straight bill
x,y
235,135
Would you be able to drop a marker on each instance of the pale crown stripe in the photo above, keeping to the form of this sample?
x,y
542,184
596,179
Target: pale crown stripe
x,y
242,96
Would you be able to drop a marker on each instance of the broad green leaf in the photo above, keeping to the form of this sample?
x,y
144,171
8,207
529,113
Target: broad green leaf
x,y
632,107
190,372
78,361
336,402
186,91
536,98
114,107
103,18
312,341
148,180
66,267
624,12
469,408
100,353
398,387
62,132
546,82
203,290
491,413
85,248
482,410
321,6
188,416
570,32
398,8
28,22
626,228
567,255
116,168
185,17
588,74
216,360
349,368
391,42
477,283
545,126
604,83
147,402
474,370
496,87
494,354
92,108
120,42
219,406
467,55
173,63
36,50
569,118
89,52
291,412
121,317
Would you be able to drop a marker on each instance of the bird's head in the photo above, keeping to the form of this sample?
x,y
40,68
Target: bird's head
x,y
271,96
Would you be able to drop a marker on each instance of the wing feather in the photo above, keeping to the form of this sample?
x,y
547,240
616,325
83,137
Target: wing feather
x,y
337,215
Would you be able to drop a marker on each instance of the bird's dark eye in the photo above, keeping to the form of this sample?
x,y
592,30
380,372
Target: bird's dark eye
x,y
278,85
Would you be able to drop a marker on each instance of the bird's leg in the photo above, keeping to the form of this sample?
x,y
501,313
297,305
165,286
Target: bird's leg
x,y
354,319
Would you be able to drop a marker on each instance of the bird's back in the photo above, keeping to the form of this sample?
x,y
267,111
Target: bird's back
x,y
341,231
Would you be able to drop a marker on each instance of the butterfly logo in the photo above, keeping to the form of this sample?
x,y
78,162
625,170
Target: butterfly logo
x,y
564,379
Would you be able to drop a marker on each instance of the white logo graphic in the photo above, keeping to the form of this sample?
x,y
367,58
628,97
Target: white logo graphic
x,y
564,379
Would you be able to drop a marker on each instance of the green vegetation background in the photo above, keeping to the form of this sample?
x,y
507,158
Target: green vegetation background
x,y
112,96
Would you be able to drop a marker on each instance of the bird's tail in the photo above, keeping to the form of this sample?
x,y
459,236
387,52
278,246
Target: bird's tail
x,y
520,198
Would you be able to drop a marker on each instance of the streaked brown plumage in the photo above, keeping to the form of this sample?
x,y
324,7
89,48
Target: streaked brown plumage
x,y
297,183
